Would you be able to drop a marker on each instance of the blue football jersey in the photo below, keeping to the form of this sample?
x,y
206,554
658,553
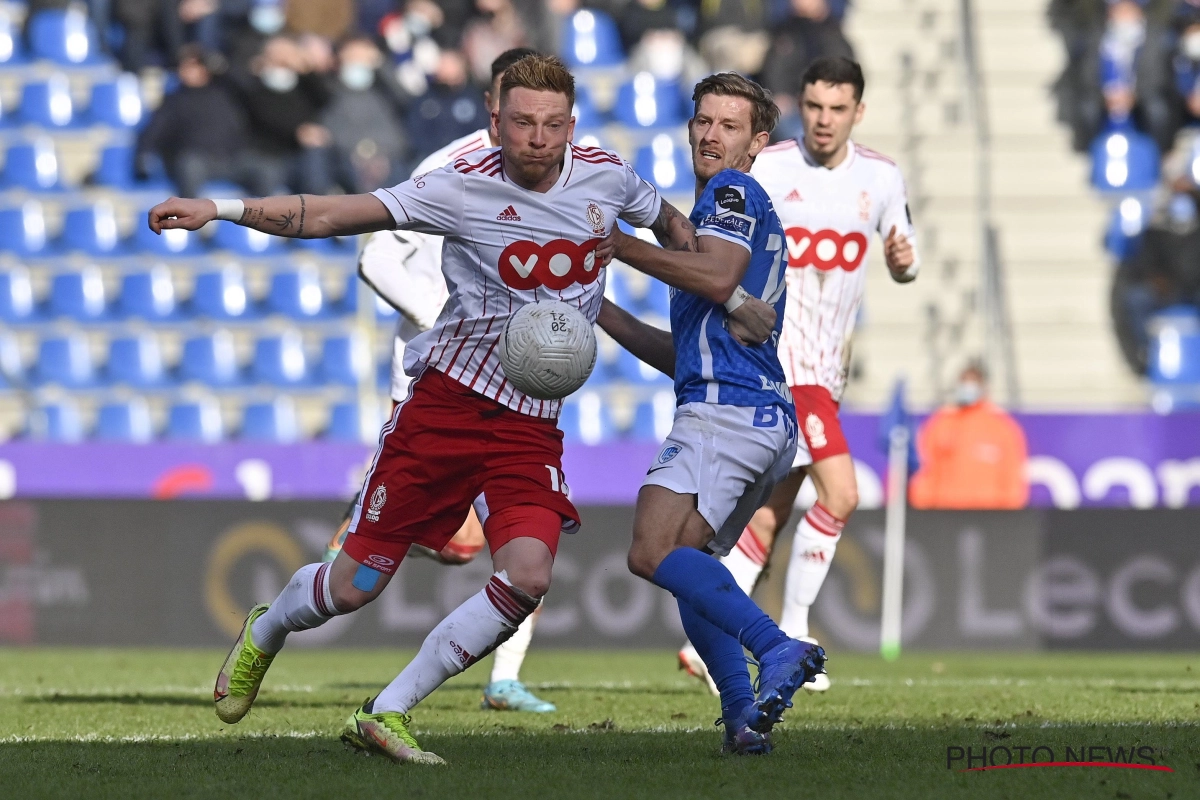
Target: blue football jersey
x,y
710,365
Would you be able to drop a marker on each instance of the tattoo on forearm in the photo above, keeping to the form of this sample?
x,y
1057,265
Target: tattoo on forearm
x,y
284,222
300,230
670,217
251,216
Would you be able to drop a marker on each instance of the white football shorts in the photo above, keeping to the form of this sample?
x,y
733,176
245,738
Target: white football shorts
x,y
730,457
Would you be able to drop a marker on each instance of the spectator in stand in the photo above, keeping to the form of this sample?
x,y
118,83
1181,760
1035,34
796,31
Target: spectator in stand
x,y
330,19
665,54
639,16
972,453
500,26
1186,65
284,100
733,35
411,46
200,132
808,34
363,118
156,29
452,108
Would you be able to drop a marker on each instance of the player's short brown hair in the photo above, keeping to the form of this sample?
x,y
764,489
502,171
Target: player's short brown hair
x,y
764,114
540,73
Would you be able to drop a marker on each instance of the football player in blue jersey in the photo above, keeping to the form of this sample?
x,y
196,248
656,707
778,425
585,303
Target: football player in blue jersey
x,y
734,434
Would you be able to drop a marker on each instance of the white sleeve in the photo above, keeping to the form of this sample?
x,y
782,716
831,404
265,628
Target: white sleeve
x,y
895,212
642,201
398,265
429,203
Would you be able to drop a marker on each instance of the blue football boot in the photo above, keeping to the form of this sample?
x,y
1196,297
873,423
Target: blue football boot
x,y
784,669
741,739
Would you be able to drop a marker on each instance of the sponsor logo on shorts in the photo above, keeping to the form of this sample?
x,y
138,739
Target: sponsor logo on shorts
x,y
668,453
381,561
378,498
814,429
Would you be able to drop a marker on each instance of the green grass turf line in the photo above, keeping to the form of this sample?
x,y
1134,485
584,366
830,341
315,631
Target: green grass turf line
x,y
139,723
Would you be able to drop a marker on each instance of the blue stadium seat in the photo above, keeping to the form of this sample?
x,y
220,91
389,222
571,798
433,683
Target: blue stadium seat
x,y
246,241
47,103
149,294
349,302
657,299
586,114
653,418
117,103
1125,160
195,421
332,246
12,371
591,39
221,294
1125,228
64,36
591,139
127,421
92,229
631,369
347,424
345,360
32,166
115,170
65,360
271,422
11,45
1175,346
175,242
58,422
210,359
646,102
16,295
136,360
78,295
23,229
280,361
665,164
296,293
586,420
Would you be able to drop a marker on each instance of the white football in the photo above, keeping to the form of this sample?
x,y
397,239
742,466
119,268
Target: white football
x,y
547,349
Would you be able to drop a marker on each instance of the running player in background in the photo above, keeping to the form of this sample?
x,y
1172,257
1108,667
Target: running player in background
x,y
405,269
734,435
832,195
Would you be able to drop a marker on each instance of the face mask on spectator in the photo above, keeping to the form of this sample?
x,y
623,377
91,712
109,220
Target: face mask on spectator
x,y
279,79
664,59
267,19
357,77
1191,46
968,393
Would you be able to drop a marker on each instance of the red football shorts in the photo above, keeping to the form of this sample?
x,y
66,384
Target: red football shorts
x,y
444,446
817,413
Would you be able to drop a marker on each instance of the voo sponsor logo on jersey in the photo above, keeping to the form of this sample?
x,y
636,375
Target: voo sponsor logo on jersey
x,y
556,264
825,249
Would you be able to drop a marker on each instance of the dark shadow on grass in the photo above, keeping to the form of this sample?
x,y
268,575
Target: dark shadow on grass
x,y
1155,690
172,700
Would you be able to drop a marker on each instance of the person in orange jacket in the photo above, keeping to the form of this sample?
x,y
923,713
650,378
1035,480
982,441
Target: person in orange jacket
x,y
972,453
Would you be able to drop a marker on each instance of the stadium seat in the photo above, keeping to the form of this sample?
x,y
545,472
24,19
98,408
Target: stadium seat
x,y
348,424
1125,160
65,360
136,360
11,45
32,166
349,302
16,295
23,229
1125,228
149,294
78,295
58,422
64,36
127,421
585,419
115,170
634,370
174,242
585,112
221,294
210,359
279,360
47,103
653,418
591,39
195,421
345,360
117,103
664,164
646,102
92,229
246,241
12,371
1175,346
296,293
332,245
271,422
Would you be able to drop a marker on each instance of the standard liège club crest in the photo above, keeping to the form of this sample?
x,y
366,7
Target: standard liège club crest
x,y
378,498
595,218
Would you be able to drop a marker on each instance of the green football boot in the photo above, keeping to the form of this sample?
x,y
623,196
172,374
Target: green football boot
x,y
242,673
386,733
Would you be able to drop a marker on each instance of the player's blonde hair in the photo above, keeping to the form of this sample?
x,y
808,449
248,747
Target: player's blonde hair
x,y
542,74
764,114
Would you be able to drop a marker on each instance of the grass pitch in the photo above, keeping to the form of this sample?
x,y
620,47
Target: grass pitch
x,y
139,723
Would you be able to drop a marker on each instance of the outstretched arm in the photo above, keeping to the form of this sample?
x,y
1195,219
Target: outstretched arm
x,y
708,267
673,229
646,342
306,216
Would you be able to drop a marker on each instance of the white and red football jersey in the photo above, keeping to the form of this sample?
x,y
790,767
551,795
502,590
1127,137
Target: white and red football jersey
x,y
505,246
829,216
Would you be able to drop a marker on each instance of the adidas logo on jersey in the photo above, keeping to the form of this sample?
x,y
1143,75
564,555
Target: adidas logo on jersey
x,y
509,215
793,197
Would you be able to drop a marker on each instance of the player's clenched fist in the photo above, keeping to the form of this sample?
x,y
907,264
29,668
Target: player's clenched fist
x,y
178,212
898,251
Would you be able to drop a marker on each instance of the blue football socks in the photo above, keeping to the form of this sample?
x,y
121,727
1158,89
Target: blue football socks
x,y
725,659
705,584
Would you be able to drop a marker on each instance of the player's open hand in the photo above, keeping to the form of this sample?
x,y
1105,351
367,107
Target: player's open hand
x,y
178,212
752,322
605,250
898,251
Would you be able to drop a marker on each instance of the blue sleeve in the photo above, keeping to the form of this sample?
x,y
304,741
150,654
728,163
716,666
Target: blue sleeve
x,y
729,208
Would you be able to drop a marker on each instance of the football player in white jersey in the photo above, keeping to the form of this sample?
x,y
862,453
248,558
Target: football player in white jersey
x,y
832,195
405,269
520,222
